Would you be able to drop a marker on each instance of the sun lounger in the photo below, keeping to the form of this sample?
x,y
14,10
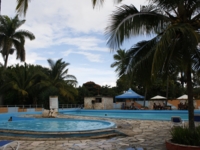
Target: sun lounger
x,y
7,143
176,121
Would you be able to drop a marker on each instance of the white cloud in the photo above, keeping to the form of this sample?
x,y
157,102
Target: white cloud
x,y
89,56
99,76
84,43
31,58
72,24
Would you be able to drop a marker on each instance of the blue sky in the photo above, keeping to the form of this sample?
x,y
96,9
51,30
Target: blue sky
x,y
74,31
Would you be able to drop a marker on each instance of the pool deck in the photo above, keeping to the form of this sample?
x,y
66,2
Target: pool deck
x,y
149,135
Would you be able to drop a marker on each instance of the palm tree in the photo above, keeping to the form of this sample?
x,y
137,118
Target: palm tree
x,y
22,80
12,39
58,81
125,59
121,61
22,6
0,6
100,2
174,25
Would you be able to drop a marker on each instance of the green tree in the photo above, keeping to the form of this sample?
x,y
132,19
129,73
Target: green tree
x,y
100,2
175,26
21,80
93,88
82,92
22,6
121,62
57,81
12,39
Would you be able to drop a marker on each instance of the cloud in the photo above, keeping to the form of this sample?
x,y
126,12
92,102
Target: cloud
x,y
89,56
31,58
99,76
84,43
73,25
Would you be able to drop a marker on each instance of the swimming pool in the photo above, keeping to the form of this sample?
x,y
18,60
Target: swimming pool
x,y
26,128
133,114
54,124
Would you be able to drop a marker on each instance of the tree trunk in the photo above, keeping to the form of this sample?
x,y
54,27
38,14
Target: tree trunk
x,y
6,61
190,99
0,7
167,91
145,95
1,99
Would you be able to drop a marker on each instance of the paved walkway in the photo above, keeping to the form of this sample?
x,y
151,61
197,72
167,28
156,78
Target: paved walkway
x,y
149,135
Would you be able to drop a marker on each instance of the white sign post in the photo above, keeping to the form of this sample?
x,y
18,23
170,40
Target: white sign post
x,y
53,102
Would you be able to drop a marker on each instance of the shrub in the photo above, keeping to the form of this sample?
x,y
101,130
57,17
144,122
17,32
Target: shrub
x,y
185,136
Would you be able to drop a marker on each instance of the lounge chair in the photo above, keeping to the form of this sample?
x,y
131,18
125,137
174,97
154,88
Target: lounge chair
x,y
176,121
197,120
7,143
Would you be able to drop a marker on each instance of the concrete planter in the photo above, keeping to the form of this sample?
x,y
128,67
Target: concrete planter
x,y
174,146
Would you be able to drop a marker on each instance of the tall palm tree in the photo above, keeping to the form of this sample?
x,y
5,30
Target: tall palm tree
x,y
174,25
58,81
22,6
100,2
0,6
121,61
12,38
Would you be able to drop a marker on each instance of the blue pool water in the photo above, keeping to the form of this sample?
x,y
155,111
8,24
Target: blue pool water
x,y
50,124
57,124
133,114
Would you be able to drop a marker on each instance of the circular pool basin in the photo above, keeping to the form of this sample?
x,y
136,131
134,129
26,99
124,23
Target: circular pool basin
x,y
55,125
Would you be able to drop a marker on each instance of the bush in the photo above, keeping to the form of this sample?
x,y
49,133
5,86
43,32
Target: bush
x,y
185,136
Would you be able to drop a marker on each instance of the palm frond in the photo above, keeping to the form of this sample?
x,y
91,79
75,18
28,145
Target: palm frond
x,y
100,2
22,6
25,34
126,22
176,36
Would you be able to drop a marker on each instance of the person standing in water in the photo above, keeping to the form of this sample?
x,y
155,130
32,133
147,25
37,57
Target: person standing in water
x,y
10,119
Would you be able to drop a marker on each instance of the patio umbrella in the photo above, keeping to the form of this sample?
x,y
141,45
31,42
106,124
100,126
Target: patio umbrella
x,y
183,97
158,97
129,94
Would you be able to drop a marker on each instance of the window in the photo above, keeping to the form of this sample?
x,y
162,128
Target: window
x,y
98,100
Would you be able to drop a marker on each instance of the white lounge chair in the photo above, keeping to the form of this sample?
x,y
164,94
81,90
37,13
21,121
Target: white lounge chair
x,y
176,121
7,143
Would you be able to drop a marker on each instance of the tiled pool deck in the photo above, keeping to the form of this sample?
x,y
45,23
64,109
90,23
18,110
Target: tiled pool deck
x,y
150,135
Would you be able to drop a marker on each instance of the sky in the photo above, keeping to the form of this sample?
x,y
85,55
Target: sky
x,y
74,31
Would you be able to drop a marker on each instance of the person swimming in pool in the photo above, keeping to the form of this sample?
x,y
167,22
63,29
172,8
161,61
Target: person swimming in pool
x,y
10,119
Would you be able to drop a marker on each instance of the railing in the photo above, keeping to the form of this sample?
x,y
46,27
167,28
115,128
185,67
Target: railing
x,y
41,106
23,106
28,108
63,106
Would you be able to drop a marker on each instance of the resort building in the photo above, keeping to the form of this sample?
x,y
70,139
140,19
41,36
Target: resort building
x,y
98,102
